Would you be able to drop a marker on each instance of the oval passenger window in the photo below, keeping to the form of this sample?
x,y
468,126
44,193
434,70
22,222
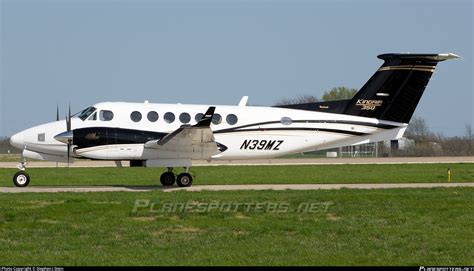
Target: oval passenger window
x,y
152,116
169,117
136,116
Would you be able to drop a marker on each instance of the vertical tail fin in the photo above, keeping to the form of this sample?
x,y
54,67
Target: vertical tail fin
x,y
395,89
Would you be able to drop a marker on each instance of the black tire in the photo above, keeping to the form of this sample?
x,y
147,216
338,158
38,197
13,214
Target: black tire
x,y
184,180
21,179
167,178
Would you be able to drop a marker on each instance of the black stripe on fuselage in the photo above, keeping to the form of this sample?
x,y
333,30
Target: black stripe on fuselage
x,y
293,129
97,136
368,124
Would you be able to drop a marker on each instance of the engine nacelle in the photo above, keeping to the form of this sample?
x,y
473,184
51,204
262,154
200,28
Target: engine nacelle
x,y
47,157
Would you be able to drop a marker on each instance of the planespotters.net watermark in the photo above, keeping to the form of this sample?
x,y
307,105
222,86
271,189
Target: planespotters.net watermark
x,y
146,205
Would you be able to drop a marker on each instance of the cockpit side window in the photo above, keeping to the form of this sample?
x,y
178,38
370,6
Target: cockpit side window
x,y
106,115
86,113
93,117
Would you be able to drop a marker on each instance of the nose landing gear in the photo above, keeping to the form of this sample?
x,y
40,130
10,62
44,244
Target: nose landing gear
x,y
21,178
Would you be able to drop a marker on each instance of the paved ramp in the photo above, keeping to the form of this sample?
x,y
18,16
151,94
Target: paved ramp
x,y
318,186
267,162
90,189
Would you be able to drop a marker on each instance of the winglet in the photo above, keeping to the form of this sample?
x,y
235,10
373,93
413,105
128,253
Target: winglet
x,y
207,118
243,101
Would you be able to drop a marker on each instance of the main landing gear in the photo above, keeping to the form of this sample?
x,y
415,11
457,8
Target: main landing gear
x,y
21,178
182,180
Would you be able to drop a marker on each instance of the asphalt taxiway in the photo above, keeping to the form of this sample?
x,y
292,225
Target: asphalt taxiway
x,y
87,189
274,161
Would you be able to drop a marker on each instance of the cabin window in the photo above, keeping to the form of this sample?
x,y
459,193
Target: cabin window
x,y
231,119
136,116
286,121
152,116
169,117
106,115
216,119
185,118
198,117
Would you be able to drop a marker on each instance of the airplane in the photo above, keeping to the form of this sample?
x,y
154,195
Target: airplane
x,y
173,135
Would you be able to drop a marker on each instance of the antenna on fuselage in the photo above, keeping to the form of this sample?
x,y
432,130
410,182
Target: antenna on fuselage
x,y
243,101
57,111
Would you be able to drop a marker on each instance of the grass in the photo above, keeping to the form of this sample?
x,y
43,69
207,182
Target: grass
x,y
359,227
401,173
10,157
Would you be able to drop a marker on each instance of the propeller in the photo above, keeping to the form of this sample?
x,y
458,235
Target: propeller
x,y
57,119
68,129
67,136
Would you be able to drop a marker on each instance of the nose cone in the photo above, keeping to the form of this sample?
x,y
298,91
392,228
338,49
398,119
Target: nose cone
x,y
64,137
17,140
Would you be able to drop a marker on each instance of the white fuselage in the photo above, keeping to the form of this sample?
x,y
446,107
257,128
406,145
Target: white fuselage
x,y
260,132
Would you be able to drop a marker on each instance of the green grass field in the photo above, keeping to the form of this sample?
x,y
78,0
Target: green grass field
x,y
359,227
401,173
339,227
10,157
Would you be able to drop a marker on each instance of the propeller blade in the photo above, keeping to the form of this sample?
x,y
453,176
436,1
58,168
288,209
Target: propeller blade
x,y
68,129
68,121
57,112
68,152
68,124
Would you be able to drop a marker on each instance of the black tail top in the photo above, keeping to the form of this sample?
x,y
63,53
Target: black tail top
x,y
392,93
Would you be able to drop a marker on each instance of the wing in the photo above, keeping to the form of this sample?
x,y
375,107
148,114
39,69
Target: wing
x,y
190,142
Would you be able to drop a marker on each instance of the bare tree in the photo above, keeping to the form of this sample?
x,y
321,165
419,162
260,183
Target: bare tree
x,y
469,136
418,129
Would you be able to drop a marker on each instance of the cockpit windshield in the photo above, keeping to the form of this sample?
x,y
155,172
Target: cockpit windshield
x,y
84,114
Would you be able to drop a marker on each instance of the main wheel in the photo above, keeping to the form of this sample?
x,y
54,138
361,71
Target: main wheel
x,y
167,178
21,179
184,180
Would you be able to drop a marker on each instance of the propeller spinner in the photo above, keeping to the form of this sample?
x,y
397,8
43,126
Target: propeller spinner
x,y
67,136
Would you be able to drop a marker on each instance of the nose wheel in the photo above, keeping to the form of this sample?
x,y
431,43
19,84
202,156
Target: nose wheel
x,y
21,179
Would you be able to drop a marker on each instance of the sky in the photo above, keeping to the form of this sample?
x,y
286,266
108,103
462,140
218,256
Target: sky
x,y
214,52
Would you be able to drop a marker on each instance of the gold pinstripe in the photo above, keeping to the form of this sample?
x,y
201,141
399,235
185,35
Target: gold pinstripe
x,y
409,68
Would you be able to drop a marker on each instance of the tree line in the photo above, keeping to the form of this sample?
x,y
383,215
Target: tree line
x,y
428,143
334,94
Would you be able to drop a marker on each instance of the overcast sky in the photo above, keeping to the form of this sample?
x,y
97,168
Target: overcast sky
x,y
214,52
